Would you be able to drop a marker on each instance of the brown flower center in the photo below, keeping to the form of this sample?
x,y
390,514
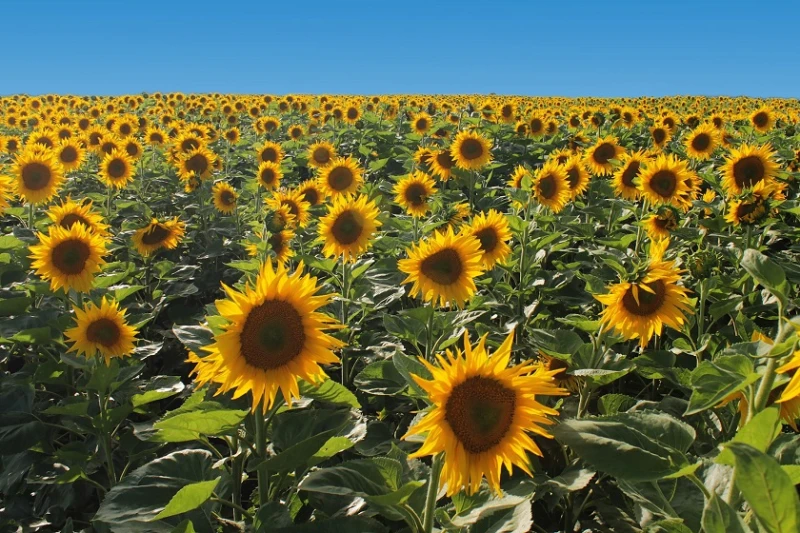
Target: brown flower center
x,y
340,178
103,331
547,186
347,228
664,183
488,238
748,171
36,176
269,154
480,412
649,302
471,149
603,153
443,267
416,194
761,119
70,219
198,164
701,142
68,155
659,135
156,235
70,256
273,335
116,168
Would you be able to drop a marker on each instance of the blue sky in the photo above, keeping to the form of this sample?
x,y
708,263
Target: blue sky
x,y
528,47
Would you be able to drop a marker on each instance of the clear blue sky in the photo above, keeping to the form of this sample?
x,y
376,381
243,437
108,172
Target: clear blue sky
x,y
558,47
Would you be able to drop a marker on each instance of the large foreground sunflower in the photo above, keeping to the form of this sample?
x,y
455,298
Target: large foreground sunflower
x,y
748,165
413,193
68,258
348,227
101,330
444,267
492,230
482,413
639,309
470,151
38,175
274,336
157,235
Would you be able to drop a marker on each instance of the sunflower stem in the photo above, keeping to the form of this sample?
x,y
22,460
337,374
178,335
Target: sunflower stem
x,y
701,315
30,215
430,348
105,440
261,452
432,493
343,319
765,387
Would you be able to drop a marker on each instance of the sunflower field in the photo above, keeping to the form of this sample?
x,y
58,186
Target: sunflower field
x,y
464,314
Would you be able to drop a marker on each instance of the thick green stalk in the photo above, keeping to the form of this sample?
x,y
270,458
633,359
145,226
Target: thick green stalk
x,y
432,492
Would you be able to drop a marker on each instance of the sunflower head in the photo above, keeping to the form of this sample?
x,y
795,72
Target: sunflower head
x,y
274,336
748,165
270,152
348,227
413,193
341,176
550,186
702,142
492,231
157,235
101,329
198,162
38,174
320,154
600,157
667,180
443,268
224,197
69,213
470,151
68,257
482,412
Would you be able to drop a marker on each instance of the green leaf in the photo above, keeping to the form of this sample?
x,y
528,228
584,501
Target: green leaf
x,y
350,524
640,446
159,388
191,425
184,527
131,505
33,336
793,471
331,392
759,433
714,381
188,498
767,488
407,366
14,306
380,378
719,517
297,455
194,338
766,272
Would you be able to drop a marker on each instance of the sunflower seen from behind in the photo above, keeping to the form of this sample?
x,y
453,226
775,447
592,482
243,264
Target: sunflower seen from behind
x,y
101,330
443,267
348,227
157,235
68,258
482,414
274,336
37,174
492,231
413,192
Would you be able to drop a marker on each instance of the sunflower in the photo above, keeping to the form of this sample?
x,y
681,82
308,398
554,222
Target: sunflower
x,y
70,154
492,231
6,192
413,192
155,137
320,154
197,162
341,176
116,169
747,166
274,336
69,213
133,148
660,135
624,179
271,152
421,123
598,159
702,142
517,177
751,206
296,132
157,235
763,119
444,267
293,200
348,227
441,164
790,396
470,151
550,186
69,258
278,244
561,377
311,192
279,217
640,309
482,413
666,180
101,330
224,197
659,225
38,175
